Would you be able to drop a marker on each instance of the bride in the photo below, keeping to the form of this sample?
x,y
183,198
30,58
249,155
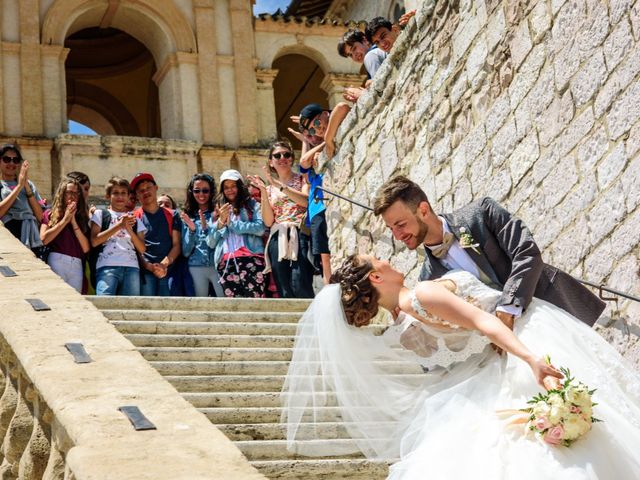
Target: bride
x,y
442,424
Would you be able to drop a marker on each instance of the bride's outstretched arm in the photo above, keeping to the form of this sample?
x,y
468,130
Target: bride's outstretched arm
x,y
440,302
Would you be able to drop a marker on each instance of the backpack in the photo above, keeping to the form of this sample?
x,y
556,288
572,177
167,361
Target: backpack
x,y
168,215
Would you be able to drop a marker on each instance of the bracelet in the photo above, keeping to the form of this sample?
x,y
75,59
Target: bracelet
x,y
29,195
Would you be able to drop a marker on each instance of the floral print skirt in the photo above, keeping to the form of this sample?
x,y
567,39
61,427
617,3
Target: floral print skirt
x,y
242,276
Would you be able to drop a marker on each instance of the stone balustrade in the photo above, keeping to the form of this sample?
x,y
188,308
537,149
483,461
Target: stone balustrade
x,y
60,420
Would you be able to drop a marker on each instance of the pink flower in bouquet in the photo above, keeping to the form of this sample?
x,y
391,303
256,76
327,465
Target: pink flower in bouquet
x,y
542,423
575,409
554,435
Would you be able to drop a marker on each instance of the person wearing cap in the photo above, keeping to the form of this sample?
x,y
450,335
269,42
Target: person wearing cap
x,y
198,218
162,238
237,239
315,121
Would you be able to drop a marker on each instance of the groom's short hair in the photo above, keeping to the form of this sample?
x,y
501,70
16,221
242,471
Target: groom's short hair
x,y
399,188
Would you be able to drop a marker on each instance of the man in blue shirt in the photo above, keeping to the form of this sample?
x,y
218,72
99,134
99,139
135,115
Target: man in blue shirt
x,y
162,238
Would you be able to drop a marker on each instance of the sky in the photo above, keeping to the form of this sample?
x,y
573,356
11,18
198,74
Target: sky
x,y
79,129
270,6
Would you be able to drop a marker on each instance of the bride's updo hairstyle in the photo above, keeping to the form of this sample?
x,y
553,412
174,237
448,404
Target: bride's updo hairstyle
x,y
359,297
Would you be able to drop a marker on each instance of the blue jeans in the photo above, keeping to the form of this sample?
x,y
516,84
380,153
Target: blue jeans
x,y
118,281
152,286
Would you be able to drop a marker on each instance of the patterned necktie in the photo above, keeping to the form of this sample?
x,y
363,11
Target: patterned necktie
x,y
441,251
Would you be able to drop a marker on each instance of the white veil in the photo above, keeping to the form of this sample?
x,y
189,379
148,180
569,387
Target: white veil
x,y
345,378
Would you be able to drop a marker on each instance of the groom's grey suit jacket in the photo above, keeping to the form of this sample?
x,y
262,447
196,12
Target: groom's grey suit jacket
x,y
511,259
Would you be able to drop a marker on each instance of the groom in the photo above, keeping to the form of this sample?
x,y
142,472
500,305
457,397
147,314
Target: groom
x,y
486,240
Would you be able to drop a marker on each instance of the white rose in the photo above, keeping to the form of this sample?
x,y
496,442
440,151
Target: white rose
x,y
541,409
558,408
575,426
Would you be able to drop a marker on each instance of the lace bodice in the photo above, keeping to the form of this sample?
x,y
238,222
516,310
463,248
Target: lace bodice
x,y
444,343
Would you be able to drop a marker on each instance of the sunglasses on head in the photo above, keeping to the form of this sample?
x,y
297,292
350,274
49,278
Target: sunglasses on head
x,y
8,159
278,155
201,190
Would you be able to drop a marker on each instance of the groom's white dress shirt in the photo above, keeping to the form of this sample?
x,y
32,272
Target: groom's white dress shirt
x,y
458,259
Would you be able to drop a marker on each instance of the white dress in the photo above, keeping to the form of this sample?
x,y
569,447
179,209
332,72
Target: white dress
x,y
443,424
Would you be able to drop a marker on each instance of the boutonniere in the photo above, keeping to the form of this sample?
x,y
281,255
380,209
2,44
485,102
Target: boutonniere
x,y
467,241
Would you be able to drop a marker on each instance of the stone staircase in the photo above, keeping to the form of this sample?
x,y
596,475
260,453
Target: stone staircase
x,y
229,358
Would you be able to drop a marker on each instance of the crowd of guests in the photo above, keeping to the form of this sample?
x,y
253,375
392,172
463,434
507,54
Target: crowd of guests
x,y
235,237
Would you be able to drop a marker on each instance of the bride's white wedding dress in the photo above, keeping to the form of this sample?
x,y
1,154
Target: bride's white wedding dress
x,y
443,424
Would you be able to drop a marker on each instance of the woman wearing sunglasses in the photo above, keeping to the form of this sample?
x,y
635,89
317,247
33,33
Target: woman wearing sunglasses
x,y
198,218
237,239
283,207
20,209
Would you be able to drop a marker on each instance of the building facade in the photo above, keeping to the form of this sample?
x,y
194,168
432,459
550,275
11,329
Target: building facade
x,y
170,86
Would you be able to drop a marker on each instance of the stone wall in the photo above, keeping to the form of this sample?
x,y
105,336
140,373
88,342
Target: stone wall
x,y
534,103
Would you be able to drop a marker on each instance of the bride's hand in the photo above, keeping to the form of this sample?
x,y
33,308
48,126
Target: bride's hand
x,y
546,374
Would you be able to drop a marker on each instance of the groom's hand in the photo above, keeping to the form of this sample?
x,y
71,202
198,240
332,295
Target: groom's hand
x,y
507,319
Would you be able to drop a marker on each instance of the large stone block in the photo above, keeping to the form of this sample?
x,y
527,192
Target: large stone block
x,y
589,79
617,44
624,112
611,166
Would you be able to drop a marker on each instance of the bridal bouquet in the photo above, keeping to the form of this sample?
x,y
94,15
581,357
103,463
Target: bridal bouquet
x,y
561,415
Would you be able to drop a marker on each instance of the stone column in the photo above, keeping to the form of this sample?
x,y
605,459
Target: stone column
x,y
335,83
177,79
30,71
228,101
12,89
208,72
244,67
54,91
266,103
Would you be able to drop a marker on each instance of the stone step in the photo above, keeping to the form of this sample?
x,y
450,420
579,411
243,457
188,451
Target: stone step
x,y
241,399
196,316
236,341
278,431
253,383
226,383
204,354
204,328
243,367
263,415
277,449
221,368
200,304
323,469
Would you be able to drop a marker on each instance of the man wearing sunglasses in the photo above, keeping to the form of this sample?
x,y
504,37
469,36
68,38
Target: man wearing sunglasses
x,y
315,121
162,238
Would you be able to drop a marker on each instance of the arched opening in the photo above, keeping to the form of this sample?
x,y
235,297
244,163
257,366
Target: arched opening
x,y
110,88
396,10
296,85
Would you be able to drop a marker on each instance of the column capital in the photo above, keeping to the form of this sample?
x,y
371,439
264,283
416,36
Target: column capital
x,y
172,60
333,82
266,76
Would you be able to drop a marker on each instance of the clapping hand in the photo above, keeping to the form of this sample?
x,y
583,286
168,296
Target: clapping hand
x,y
203,220
187,221
223,215
24,174
70,212
127,221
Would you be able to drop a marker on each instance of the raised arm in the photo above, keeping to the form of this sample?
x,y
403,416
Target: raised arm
x,y
442,303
